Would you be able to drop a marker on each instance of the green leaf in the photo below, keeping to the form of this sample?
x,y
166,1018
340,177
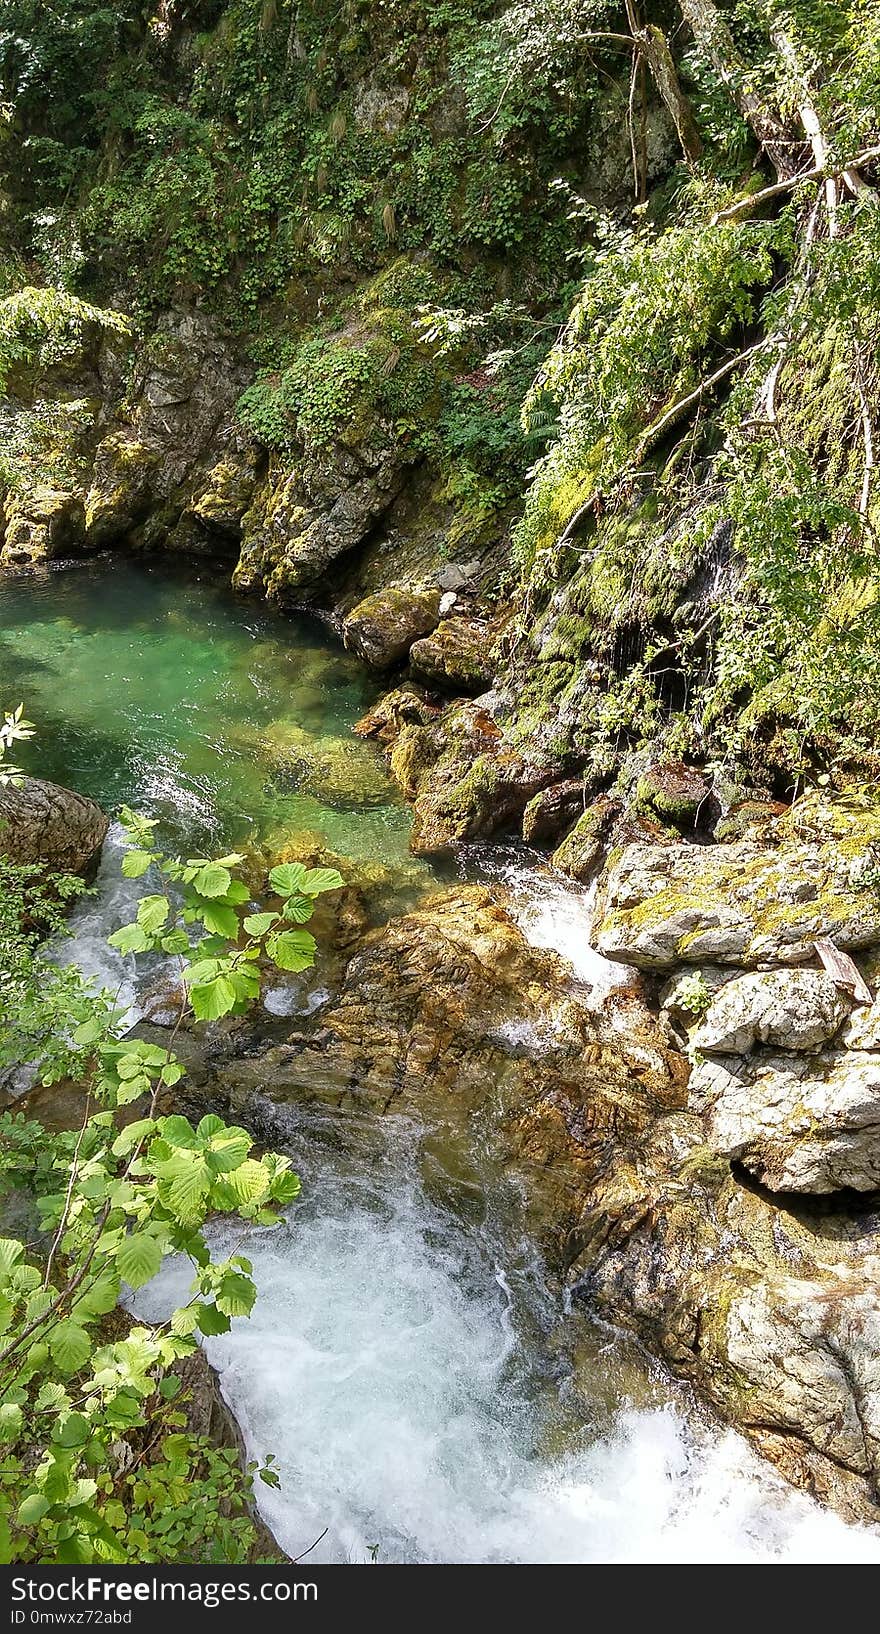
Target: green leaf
x,y
211,1321
287,878
292,949
101,1297
10,1254
257,924
184,1321
176,941
209,1125
138,1259
72,1431
152,913
220,918
247,1183
32,1509
11,1420
299,909
130,1135
236,1294
184,1184
180,1132
70,1346
317,880
88,1032
212,880
130,939
213,999
228,1149
136,863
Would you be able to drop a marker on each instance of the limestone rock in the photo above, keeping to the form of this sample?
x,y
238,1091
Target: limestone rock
x,y
43,822
41,524
772,1312
383,627
457,656
799,1123
740,904
792,1009
862,1029
121,490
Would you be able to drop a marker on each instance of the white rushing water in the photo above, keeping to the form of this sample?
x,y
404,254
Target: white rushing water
x,y
413,1413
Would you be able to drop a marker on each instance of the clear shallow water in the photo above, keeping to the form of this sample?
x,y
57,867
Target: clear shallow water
x,y
167,693
425,1393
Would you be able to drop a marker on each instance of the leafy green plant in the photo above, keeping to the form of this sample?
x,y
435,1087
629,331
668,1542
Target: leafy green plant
x,y
98,1462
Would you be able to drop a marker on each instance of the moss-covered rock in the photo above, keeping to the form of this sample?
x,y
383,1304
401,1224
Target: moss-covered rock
x,y
40,524
743,903
341,771
675,793
552,811
581,852
122,488
466,781
458,656
383,627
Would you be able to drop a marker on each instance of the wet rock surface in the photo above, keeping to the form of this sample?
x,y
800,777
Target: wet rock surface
x,y
382,628
42,822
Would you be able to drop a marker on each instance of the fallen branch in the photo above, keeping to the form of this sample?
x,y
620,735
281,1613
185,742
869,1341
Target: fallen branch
x,y
680,408
842,970
814,174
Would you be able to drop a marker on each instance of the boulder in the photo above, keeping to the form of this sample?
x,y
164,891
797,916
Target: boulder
x,y
122,488
42,822
799,1123
465,779
382,628
791,1009
773,1313
740,904
676,793
581,852
457,656
405,706
41,524
551,812
340,771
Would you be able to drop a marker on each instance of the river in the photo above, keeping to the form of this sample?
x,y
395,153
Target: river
x,y
422,1384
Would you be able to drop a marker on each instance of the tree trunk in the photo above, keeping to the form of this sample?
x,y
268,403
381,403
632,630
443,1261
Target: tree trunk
x,y
714,38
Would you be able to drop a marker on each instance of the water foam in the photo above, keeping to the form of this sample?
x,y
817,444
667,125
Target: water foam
x,y
413,1413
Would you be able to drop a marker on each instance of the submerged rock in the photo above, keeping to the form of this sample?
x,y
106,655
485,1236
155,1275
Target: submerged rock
x,y
798,1123
383,627
793,1009
340,771
42,822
